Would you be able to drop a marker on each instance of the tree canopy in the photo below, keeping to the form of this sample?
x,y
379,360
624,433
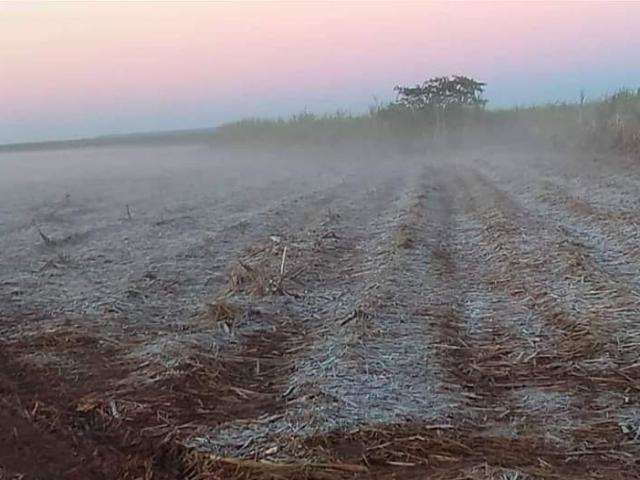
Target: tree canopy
x,y
443,93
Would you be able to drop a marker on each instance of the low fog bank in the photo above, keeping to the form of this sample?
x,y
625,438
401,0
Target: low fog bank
x,y
151,173
63,185
160,138
81,229
148,177
80,226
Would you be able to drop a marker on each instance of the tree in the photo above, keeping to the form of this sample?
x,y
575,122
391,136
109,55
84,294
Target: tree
x,y
443,93
446,103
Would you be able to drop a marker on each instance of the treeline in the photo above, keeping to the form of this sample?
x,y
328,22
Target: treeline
x,y
445,112
608,123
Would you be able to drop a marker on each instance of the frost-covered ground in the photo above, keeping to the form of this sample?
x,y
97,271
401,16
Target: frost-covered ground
x,y
333,312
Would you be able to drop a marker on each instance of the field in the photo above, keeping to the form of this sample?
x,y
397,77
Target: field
x,y
191,311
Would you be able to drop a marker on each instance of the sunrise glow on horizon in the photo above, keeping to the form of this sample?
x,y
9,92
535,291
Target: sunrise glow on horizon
x,y
72,70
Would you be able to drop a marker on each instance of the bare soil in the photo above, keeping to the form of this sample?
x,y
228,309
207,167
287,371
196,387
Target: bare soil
x,y
182,312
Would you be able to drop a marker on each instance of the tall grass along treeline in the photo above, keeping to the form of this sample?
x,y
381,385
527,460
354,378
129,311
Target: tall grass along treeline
x,y
451,111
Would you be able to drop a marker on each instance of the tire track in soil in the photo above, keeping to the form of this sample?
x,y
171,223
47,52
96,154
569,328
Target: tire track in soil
x,y
372,362
484,336
326,249
564,363
604,314
610,233
392,312
423,447
593,352
380,317
562,260
479,363
379,296
606,256
606,222
613,267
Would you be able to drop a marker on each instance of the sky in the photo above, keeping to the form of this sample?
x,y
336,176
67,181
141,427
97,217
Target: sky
x,y
70,70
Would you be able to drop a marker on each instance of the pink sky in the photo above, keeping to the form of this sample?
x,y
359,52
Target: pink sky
x,y
69,70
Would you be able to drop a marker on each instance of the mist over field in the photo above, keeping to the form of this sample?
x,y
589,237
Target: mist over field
x,y
208,271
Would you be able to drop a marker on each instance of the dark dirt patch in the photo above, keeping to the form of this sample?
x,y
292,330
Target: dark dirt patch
x,y
46,435
74,420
